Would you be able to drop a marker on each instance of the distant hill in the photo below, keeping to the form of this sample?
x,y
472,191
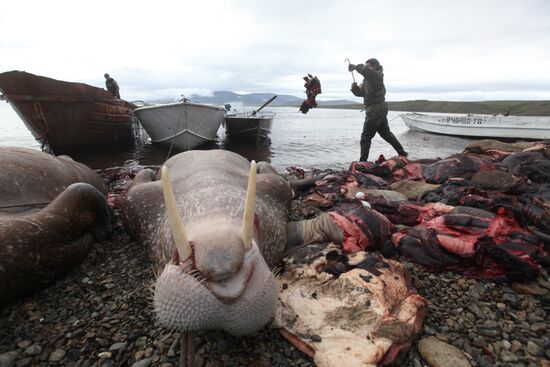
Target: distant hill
x,y
253,99
339,102
516,108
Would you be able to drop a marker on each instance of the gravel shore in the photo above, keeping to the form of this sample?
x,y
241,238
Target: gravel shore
x,y
101,315
494,324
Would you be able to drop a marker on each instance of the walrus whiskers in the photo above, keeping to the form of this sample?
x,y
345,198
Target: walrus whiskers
x,y
180,239
276,271
248,215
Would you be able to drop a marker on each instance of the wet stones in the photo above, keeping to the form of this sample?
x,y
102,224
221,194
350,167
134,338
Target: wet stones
x,y
440,354
33,350
488,322
531,288
7,359
57,355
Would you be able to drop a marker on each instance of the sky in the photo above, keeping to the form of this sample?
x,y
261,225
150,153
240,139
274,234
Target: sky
x,y
437,50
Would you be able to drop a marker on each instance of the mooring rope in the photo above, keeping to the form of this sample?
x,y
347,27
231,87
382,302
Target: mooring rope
x,y
388,120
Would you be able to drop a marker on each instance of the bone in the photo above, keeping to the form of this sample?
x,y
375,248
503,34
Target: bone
x,y
178,232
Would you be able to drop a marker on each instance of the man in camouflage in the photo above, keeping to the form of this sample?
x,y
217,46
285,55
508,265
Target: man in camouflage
x,y
112,86
373,92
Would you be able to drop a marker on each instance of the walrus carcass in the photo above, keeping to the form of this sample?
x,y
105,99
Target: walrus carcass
x,y
213,229
51,208
222,282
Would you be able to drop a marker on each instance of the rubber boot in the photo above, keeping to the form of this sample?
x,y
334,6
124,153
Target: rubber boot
x,y
365,148
396,145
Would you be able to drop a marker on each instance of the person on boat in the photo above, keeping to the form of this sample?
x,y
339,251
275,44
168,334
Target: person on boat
x,y
112,86
373,91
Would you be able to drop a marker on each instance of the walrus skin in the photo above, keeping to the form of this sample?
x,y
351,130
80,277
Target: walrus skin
x,y
225,286
50,210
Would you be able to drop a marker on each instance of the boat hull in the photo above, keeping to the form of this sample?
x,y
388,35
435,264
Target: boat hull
x,y
482,126
68,117
183,125
248,127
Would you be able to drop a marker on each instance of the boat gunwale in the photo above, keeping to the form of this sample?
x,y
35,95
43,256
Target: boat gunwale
x,y
177,104
452,114
249,116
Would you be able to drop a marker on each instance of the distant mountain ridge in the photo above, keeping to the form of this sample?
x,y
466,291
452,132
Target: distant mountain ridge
x,y
251,99
254,99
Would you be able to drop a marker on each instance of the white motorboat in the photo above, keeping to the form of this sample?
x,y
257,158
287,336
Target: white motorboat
x,y
183,125
483,126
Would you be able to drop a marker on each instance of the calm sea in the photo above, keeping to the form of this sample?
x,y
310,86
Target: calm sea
x,y
322,138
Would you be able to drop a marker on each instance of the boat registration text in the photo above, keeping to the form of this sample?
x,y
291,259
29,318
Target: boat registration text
x,y
462,120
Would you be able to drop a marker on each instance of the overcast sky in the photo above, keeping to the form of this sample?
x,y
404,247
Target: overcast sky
x,y
438,50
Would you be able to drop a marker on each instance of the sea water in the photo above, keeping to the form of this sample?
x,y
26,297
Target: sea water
x,y
322,138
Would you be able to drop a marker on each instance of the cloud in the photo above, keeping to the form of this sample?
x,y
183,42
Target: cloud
x,y
430,48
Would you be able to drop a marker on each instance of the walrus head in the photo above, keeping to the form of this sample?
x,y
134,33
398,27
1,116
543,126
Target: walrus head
x,y
217,277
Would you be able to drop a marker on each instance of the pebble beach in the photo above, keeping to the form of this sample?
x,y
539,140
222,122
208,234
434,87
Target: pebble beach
x,y
101,314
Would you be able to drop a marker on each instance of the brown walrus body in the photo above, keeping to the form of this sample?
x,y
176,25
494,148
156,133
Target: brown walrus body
x,y
50,209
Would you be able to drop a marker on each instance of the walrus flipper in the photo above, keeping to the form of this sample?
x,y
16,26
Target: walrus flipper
x,y
145,196
319,229
38,248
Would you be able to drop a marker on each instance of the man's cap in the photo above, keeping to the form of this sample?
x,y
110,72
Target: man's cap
x,y
372,61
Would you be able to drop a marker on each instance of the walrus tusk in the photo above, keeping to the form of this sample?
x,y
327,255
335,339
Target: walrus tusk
x,y
187,350
182,244
248,215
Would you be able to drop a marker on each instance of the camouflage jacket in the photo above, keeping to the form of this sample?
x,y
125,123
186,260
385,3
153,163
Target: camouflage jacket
x,y
112,86
373,87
